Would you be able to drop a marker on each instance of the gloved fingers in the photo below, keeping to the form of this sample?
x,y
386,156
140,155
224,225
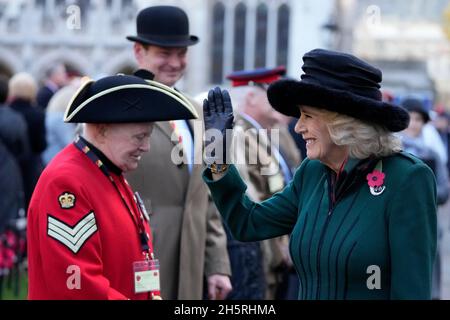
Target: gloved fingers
x,y
212,102
206,110
218,100
228,108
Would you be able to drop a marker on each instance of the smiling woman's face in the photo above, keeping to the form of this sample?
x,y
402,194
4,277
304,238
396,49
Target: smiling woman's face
x,y
313,127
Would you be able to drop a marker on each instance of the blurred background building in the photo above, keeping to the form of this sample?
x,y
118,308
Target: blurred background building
x,y
89,35
407,39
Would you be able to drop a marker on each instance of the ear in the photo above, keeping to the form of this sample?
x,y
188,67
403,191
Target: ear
x,y
250,98
101,130
138,51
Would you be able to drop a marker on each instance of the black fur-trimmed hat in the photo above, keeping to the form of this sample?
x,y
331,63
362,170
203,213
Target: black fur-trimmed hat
x,y
341,83
127,99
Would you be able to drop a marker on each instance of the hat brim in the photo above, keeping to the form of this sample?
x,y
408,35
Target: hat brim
x,y
131,103
418,109
425,116
167,42
286,96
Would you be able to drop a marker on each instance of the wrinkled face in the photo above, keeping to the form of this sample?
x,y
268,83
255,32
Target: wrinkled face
x,y
125,143
168,64
312,126
416,124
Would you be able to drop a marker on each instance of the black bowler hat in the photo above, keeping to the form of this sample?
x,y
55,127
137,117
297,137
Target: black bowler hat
x,y
164,26
341,83
415,105
127,99
260,76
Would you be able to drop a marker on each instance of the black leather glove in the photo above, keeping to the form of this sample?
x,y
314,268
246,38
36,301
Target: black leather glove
x,y
217,114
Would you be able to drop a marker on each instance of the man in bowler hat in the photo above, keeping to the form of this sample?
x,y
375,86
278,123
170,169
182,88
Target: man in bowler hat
x,y
188,233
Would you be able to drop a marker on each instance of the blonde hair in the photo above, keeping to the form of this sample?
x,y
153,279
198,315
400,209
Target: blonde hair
x,y
22,85
363,139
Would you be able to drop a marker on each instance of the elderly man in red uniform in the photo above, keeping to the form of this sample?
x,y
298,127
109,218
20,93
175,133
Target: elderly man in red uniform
x,y
88,233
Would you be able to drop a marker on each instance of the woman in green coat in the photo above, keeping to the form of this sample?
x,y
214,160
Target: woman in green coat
x,y
361,213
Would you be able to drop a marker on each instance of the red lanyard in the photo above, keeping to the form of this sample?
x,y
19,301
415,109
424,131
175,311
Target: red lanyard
x,y
138,219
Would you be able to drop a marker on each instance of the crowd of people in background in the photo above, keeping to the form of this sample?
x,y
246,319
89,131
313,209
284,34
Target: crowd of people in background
x,y
30,135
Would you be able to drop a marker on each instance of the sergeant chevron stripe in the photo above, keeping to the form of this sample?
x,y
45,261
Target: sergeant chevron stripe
x,y
72,237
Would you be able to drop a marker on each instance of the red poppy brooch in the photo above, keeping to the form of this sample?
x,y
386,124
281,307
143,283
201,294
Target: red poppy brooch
x,y
375,180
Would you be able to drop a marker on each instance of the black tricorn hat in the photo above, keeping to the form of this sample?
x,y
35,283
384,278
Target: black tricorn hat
x,y
164,26
341,83
127,99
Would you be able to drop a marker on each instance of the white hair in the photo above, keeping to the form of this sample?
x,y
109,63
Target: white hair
x,y
363,139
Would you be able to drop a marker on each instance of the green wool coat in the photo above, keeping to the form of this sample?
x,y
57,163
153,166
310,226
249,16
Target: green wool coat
x,y
365,247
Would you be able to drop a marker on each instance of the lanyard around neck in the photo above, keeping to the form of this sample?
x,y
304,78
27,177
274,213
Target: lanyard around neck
x,y
137,219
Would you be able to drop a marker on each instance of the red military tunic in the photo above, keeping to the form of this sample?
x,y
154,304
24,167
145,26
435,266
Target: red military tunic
x,y
82,240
